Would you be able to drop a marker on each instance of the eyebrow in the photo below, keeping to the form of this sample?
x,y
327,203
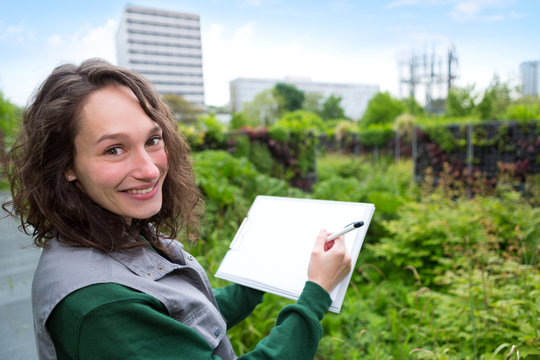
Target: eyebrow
x,y
120,135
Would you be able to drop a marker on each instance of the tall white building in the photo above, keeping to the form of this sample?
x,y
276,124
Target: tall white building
x,y
529,73
354,97
165,47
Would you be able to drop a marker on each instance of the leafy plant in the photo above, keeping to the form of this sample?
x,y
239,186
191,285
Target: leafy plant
x,y
439,277
376,134
382,109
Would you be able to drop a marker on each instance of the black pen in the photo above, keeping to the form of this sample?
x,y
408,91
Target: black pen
x,y
346,229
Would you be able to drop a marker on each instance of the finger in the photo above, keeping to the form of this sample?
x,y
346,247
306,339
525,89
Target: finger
x,y
328,245
321,238
339,242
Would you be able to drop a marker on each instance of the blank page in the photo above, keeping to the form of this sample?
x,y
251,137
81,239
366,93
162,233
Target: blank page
x,y
271,250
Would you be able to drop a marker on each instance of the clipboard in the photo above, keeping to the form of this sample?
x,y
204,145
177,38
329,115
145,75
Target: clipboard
x,y
272,247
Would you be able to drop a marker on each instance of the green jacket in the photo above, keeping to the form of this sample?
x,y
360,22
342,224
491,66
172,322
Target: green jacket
x,y
110,321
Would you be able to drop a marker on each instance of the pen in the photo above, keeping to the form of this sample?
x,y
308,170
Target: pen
x,y
346,229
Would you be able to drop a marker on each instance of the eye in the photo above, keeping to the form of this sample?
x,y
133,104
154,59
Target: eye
x,y
114,151
155,140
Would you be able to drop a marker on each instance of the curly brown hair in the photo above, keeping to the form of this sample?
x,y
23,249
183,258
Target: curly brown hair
x,y
50,207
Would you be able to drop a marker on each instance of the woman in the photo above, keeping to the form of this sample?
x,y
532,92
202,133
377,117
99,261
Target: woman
x,y
102,180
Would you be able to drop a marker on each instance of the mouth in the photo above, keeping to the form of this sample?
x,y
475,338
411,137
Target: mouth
x,y
140,191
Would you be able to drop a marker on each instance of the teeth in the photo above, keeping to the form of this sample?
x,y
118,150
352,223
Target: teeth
x,y
140,191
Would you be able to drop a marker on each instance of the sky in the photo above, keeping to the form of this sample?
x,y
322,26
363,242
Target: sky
x,y
343,41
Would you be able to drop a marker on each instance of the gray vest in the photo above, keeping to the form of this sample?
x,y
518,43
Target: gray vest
x,y
181,285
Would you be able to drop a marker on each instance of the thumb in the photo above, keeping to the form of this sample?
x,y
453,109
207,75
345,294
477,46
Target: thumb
x,y
321,238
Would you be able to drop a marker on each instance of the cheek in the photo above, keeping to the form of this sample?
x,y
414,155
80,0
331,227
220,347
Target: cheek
x,y
102,177
161,160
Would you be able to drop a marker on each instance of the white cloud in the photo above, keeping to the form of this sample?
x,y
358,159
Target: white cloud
x,y
244,34
229,54
464,10
399,3
15,34
480,10
86,43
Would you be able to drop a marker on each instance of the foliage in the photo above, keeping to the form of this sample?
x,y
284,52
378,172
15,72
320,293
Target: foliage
x,y
279,132
214,131
413,107
289,97
301,121
229,185
193,134
404,124
183,111
442,136
10,122
332,108
238,121
263,110
385,184
343,127
523,112
261,158
461,101
467,257
376,134
495,100
382,109
312,102
10,118
278,151
473,294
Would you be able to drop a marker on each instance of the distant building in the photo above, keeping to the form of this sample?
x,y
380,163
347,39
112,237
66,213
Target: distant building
x,y
354,97
529,73
165,47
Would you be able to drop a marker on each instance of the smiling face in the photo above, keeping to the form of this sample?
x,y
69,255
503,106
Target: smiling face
x,y
120,160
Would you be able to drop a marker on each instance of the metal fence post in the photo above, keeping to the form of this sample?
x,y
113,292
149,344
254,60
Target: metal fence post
x,y
414,152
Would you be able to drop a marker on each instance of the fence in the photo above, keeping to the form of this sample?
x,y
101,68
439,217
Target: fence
x,y
462,151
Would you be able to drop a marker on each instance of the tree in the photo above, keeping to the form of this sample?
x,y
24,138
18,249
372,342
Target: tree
x,y
413,107
495,100
183,111
312,102
461,101
332,108
10,116
263,110
301,121
382,109
288,97
238,121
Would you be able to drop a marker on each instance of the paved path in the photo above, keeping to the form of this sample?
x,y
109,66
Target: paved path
x,y
17,265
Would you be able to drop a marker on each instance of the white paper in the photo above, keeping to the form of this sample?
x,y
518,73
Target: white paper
x,y
272,247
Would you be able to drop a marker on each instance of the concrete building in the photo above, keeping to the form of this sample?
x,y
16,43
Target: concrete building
x,y
529,73
354,97
165,47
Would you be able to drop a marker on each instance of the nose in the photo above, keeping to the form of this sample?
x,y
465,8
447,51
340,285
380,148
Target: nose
x,y
144,167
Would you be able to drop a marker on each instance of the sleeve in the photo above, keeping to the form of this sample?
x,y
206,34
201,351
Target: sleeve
x,y
298,330
236,302
136,326
110,321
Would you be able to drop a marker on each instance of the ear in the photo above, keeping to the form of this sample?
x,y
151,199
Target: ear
x,y
70,175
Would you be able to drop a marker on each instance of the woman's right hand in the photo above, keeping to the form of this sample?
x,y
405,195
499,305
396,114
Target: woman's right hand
x,y
330,262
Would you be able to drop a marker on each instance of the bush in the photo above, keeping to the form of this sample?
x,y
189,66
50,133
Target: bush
x,y
437,278
523,112
302,122
376,134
